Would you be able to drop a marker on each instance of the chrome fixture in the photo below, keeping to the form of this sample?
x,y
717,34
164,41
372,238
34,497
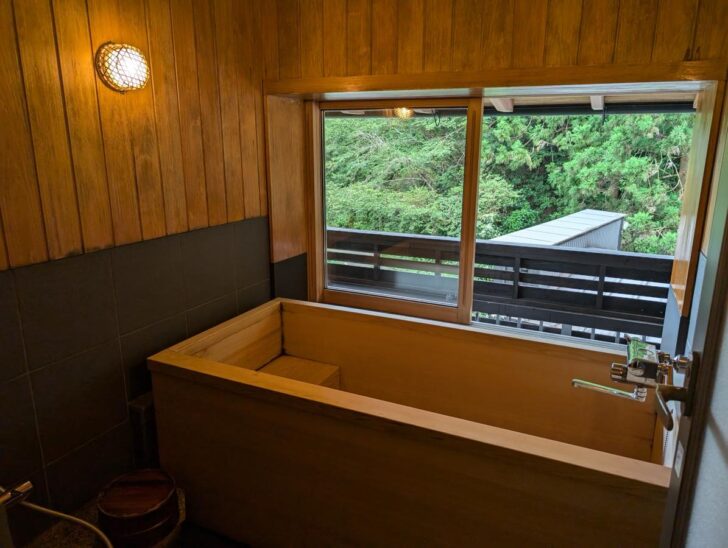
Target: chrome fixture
x,y
646,367
638,394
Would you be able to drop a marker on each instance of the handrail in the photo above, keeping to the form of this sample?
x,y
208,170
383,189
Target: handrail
x,y
664,262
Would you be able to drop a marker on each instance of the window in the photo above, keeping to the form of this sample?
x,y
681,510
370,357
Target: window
x,y
393,200
577,219
560,219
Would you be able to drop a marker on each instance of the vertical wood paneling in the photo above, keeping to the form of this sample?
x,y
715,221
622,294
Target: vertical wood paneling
x,y
207,76
711,33
438,35
143,128
384,36
529,40
466,33
636,31
166,105
227,30
334,37
105,24
3,249
562,32
598,31
193,158
496,42
34,23
84,128
674,30
266,19
286,144
22,216
359,37
519,33
84,167
410,30
258,73
247,93
312,38
129,166
262,174
289,39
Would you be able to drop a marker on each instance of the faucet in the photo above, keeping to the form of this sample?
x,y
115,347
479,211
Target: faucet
x,y
638,394
8,498
646,368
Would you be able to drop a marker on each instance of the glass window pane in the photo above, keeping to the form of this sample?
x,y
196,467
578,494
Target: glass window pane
x,y
566,203
393,181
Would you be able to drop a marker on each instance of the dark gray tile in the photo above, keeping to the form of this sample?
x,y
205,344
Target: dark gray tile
x,y
80,475
144,430
66,306
251,252
78,398
252,296
137,346
193,536
290,278
212,313
11,341
19,447
209,272
148,282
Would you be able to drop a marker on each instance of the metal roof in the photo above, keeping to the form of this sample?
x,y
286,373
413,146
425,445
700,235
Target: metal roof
x,y
564,229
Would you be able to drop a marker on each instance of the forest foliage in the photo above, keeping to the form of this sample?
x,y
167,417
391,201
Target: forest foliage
x,y
406,175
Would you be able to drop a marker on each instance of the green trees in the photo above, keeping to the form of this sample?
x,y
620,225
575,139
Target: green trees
x,y
406,175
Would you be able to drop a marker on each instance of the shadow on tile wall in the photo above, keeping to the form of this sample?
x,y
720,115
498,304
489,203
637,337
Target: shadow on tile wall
x,y
75,334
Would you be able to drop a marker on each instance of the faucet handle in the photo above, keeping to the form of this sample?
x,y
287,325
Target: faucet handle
x,y
663,394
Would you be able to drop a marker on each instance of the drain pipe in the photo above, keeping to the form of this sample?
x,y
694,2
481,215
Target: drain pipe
x,y
17,495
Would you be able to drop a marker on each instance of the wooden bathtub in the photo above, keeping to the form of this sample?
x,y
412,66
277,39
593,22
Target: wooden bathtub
x,y
307,424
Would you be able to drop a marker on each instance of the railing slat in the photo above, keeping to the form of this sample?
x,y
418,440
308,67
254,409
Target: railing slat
x,y
532,312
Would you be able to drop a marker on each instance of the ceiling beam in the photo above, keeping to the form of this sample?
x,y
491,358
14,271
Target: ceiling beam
x,y
597,102
502,104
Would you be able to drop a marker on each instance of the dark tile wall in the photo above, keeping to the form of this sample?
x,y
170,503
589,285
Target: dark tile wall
x,y
75,334
290,278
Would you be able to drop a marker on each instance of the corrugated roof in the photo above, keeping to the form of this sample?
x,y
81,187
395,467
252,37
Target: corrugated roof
x,y
563,229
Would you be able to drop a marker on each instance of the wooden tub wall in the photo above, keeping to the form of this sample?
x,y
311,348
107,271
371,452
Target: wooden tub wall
x,y
509,382
512,383
250,447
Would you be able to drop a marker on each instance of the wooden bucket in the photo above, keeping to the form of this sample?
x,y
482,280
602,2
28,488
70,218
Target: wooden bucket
x,y
139,509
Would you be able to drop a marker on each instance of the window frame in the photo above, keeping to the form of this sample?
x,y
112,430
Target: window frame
x,y
462,311
707,102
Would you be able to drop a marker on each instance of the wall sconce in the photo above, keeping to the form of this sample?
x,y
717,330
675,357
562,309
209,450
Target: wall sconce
x,y
122,67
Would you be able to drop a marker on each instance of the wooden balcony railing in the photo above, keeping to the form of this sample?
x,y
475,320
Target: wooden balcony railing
x,y
556,288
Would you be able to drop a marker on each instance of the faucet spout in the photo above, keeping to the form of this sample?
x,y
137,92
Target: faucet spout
x,y
638,394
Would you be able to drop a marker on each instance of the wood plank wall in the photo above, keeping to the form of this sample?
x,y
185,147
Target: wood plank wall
x,y
312,44
360,37
84,168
